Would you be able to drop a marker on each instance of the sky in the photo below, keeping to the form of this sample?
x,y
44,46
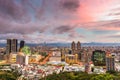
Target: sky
x,y
38,21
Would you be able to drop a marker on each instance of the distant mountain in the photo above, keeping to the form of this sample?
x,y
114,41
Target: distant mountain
x,y
100,44
28,44
56,44
67,44
82,44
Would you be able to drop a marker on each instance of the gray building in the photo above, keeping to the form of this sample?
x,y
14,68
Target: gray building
x,y
110,63
11,45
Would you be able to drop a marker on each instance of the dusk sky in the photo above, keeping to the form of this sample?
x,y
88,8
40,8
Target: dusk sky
x,y
39,21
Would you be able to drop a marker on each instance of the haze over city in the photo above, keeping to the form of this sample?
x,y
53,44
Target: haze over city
x,y
60,20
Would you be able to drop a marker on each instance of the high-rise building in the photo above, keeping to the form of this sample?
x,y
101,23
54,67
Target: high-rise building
x,y
78,45
11,45
76,48
73,46
8,46
110,63
99,57
14,43
22,43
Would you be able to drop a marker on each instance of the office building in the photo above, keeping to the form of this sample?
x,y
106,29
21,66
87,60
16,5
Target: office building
x,y
78,45
8,46
14,43
73,46
110,63
22,43
79,50
56,56
99,57
11,46
71,58
76,49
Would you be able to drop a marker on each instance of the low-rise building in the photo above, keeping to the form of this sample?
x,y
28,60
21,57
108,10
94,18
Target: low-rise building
x,y
71,58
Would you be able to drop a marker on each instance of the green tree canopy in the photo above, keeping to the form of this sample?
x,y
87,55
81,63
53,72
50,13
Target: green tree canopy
x,y
79,76
26,50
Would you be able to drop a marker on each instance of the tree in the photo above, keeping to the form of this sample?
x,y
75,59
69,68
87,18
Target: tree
x,y
79,76
102,77
26,50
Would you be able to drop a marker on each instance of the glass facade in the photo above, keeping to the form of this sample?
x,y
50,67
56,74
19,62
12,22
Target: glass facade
x,y
99,58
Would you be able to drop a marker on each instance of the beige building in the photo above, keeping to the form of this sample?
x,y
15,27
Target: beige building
x,y
56,56
71,58
13,57
22,59
34,58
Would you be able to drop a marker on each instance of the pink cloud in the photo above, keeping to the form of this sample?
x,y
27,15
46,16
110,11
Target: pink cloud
x,y
58,17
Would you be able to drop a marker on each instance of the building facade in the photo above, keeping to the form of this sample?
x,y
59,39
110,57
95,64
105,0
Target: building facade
x,y
56,56
22,43
71,58
8,46
22,59
73,47
78,45
11,45
76,48
110,63
99,58
14,43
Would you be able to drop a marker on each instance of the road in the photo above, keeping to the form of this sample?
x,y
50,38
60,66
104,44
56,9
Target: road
x,y
46,59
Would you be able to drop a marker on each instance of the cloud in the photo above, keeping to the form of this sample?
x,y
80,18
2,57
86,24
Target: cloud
x,y
16,17
101,31
57,17
70,5
13,11
110,25
63,29
74,34
114,14
11,35
67,29
113,36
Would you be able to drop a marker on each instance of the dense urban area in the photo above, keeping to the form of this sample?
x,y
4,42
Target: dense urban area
x,y
59,39
21,62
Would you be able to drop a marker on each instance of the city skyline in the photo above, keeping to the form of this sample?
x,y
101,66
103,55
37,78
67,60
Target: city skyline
x,y
60,20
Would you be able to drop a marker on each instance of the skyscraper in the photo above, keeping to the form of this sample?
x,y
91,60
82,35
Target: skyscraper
x,y
22,43
78,45
110,63
11,45
76,48
73,46
8,46
14,43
